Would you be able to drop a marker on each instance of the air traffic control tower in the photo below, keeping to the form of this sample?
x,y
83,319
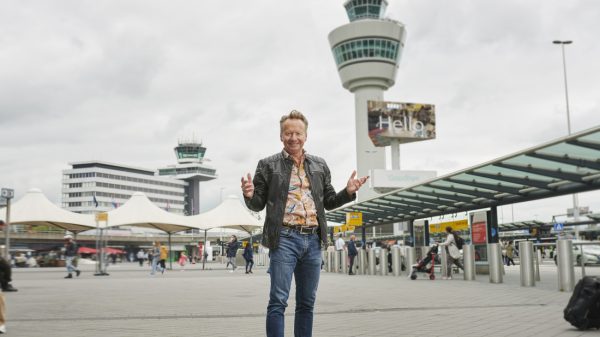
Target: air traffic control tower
x,y
367,52
190,167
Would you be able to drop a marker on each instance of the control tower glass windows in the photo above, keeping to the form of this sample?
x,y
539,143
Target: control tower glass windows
x,y
366,48
365,9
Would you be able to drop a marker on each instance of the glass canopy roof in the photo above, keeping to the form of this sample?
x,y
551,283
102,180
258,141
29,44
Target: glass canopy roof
x,y
564,166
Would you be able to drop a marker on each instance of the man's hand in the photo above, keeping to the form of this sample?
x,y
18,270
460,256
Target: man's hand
x,y
353,183
247,187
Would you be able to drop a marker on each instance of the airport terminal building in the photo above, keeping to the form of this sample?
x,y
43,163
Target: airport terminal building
x,y
98,186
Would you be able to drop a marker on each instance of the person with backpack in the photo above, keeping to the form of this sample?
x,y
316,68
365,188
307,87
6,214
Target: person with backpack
x,y
452,250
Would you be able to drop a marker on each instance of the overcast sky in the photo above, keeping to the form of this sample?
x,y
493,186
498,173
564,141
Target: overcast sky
x,y
122,81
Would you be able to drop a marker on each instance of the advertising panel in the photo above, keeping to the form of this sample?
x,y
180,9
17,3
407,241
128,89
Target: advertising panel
x,y
405,122
354,218
458,226
479,232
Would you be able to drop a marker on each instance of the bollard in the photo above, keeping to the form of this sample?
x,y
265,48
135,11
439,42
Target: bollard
x,y
526,264
566,270
469,262
362,262
495,262
582,260
443,260
330,261
538,260
372,261
396,261
411,258
324,259
336,262
383,261
344,261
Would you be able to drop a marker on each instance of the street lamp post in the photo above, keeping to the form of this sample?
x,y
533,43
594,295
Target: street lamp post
x,y
575,198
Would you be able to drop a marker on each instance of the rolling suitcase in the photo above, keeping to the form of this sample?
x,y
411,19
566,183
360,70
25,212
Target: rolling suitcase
x,y
583,310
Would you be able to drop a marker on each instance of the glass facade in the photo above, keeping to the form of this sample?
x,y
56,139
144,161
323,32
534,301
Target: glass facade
x,y
366,48
365,9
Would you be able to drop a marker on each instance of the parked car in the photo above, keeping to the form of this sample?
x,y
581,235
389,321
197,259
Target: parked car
x,y
590,252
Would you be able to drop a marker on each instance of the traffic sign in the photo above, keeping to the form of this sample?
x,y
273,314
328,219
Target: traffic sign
x,y
559,226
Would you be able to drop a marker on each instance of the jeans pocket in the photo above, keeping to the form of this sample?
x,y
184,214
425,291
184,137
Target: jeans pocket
x,y
285,233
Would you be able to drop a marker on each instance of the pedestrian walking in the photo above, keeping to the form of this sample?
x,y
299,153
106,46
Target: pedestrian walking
x,y
510,254
249,257
155,253
140,257
453,253
182,260
164,253
352,252
70,256
295,187
232,248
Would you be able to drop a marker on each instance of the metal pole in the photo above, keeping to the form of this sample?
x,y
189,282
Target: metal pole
x,y
344,261
575,197
98,262
383,261
526,264
495,261
204,250
564,259
396,261
395,148
169,256
362,261
372,262
444,261
7,231
582,260
469,262
330,261
538,260
411,258
336,261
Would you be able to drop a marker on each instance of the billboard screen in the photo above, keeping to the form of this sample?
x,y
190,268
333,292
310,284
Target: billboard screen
x,y
405,122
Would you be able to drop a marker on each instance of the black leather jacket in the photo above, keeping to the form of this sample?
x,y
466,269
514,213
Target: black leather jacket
x,y
271,184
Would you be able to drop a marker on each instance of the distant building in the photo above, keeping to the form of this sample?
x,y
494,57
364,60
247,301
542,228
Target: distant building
x,y
98,186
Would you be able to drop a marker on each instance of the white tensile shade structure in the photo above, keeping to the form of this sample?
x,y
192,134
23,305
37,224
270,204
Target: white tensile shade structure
x,y
231,213
139,211
35,209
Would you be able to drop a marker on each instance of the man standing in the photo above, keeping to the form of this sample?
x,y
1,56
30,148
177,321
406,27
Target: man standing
x,y
352,252
296,189
70,255
232,247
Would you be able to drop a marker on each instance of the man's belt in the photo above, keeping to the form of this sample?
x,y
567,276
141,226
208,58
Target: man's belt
x,y
302,229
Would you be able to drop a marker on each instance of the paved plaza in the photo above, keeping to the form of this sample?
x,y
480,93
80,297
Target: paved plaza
x,y
215,302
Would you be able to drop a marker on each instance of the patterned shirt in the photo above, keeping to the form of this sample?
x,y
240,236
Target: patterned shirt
x,y
300,209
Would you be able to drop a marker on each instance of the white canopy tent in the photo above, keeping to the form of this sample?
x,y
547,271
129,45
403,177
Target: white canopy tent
x,y
139,211
35,209
231,213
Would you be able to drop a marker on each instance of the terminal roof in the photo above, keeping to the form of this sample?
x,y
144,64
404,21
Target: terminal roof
x,y
568,165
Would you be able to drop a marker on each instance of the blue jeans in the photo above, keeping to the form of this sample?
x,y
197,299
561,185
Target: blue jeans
x,y
154,265
300,255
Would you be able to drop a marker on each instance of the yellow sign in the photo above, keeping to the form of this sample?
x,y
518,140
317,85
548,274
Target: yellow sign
x,y
458,225
354,218
102,216
350,228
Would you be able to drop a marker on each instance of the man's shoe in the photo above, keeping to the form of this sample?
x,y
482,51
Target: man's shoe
x,y
2,328
9,288
69,276
77,272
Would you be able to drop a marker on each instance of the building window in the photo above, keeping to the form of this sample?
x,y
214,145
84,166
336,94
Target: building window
x,y
366,48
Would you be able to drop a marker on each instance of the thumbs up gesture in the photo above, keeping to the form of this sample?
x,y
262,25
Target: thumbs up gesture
x,y
247,186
